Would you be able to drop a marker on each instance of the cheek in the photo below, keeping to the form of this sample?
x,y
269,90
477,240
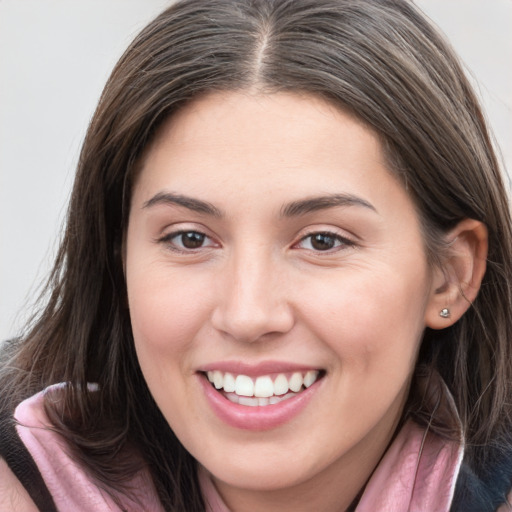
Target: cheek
x,y
166,310
371,320
166,316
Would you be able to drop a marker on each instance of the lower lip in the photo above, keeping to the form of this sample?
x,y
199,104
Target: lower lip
x,y
256,418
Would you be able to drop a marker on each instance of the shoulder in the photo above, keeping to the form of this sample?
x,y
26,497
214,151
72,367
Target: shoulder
x,y
485,488
13,495
506,507
22,486
55,476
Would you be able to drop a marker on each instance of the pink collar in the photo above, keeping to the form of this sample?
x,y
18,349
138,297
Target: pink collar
x,y
417,473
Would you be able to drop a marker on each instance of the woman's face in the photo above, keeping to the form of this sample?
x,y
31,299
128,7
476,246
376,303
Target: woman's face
x,y
270,250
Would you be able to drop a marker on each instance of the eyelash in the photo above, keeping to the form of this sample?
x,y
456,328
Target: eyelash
x,y
339,241
168,240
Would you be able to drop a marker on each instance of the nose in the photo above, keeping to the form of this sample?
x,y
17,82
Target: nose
x,y
252,301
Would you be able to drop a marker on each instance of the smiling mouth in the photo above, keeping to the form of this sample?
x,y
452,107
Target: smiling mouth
x,y
263,390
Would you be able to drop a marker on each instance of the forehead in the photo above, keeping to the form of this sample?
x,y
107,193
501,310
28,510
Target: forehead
x,y
245,137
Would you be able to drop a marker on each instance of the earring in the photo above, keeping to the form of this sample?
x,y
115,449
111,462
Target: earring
x,y
444,313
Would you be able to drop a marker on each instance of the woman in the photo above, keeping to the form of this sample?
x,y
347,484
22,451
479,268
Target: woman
x,y
285,279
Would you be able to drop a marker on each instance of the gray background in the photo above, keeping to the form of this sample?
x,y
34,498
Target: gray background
x,y
55,56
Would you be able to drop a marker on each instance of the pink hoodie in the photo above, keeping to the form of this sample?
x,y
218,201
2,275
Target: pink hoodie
x,y
417,473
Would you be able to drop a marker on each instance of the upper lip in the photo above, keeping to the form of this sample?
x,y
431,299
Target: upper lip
x,y
256,369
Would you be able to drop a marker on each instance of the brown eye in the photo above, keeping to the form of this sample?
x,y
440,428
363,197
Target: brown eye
x,y
187,241
191,239
324,241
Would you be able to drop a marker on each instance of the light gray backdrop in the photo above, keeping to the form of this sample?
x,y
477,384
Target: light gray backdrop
x,y
55,56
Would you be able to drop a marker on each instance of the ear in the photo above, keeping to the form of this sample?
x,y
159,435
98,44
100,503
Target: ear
x,y
456,284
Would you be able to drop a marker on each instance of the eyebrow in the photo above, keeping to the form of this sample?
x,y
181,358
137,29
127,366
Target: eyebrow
x,y
196,205
293,209
313,204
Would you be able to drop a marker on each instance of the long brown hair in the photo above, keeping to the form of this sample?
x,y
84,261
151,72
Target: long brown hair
x,y
380,60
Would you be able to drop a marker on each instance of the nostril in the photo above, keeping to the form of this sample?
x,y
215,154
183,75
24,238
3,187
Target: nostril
x,y
252,310
253,328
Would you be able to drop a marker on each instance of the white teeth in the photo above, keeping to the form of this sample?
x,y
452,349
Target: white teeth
x,y
244,386
309,378
218,379
262,391
296,382
233,397
281,385
264,387
254,401
229,383
248,400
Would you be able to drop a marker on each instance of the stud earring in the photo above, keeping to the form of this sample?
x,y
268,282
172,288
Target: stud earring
x,y
444,313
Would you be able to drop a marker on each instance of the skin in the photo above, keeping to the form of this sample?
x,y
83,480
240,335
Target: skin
x,y
258,290
13,496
